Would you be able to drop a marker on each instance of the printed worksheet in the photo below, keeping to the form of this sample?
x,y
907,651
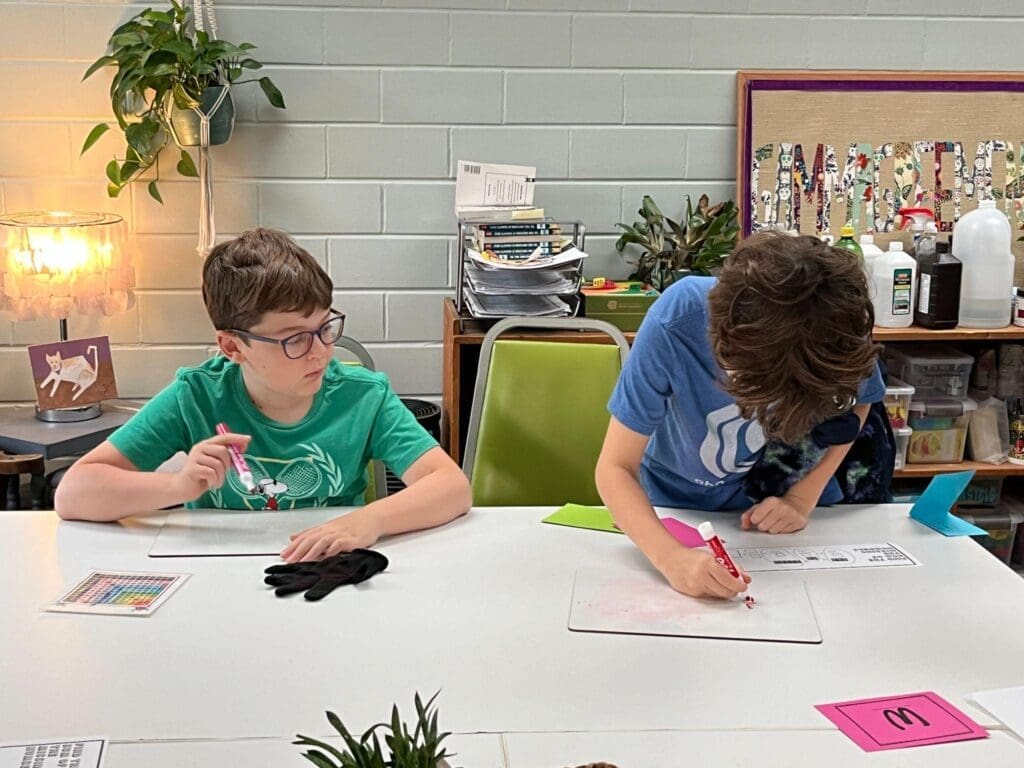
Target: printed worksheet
x,y
754,559
78,753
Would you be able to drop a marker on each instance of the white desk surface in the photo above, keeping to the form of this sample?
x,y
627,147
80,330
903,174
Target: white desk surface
x,y
747,749
471,751
658,749
479,610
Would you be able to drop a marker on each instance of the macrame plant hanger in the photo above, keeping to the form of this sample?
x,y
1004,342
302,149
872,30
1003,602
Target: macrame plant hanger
x,y
206,20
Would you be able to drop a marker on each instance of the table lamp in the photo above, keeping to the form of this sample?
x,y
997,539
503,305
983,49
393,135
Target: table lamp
x,y
55,263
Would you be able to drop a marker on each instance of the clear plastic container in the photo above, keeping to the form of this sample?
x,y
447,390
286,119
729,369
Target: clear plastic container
x,y
1001,530
940,429
931,369
989,436
897,402
982,492
981,240
902,435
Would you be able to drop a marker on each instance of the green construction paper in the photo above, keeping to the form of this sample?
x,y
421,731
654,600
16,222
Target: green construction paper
x,y
579,516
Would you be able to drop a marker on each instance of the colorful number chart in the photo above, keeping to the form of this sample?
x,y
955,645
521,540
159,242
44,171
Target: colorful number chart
x,y
120,593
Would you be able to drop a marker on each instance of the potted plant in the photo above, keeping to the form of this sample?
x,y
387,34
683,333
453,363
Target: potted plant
x,y
401,749
671,250
166,73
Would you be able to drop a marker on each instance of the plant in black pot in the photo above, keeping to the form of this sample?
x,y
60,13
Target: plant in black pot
x,y
697,245
420,748
168,76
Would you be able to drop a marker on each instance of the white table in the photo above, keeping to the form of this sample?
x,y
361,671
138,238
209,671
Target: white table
x,y
471,751
479,610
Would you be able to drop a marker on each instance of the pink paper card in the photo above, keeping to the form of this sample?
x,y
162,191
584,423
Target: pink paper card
x,y
685,534
897,722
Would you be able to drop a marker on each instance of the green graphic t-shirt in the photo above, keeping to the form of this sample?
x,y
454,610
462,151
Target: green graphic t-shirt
x,y
319,461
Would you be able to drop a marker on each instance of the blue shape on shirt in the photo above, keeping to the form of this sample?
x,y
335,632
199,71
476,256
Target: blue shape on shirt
x,y
700,447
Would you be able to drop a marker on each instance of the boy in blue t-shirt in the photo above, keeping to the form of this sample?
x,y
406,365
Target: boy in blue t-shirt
x,y
776,348
307,425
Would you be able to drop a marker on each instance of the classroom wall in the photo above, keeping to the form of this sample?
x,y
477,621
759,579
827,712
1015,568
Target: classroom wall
x,y
610,99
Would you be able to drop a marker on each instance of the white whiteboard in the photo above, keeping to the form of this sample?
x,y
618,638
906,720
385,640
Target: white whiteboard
x,y
223,532
642,603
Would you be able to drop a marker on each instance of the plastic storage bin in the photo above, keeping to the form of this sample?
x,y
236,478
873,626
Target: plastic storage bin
x,y
931,369
897,402
902,435
940,429
982,492
1002,531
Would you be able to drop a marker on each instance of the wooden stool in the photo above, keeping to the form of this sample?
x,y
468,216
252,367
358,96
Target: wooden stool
x,y
12,467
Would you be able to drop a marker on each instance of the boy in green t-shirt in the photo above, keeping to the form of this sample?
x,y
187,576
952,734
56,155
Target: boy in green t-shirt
x,y
306,424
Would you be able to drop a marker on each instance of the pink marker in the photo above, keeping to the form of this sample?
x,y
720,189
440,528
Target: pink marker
x,y
707,532
239,461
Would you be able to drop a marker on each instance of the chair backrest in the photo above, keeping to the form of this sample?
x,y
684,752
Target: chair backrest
x,y
376,478
539,414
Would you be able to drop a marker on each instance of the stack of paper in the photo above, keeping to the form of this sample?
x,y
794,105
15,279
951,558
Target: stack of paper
x,y
516,306
490,281
512,260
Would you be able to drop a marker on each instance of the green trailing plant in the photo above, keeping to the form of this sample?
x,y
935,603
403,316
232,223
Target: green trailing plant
x,y
400,749
160,60
671,250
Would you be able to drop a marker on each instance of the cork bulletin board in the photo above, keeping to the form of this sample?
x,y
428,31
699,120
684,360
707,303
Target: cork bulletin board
x,y
819,149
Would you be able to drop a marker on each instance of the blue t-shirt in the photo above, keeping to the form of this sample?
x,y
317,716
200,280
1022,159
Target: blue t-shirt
x,y
700,447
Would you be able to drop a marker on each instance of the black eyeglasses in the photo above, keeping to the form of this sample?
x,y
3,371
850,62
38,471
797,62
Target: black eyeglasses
x,y
298,344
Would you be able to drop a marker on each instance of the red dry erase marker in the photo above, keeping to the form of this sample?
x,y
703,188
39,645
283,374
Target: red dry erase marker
x,y
707,532
238,460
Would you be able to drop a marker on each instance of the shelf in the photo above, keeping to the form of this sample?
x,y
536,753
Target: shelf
x,y
980,469
916,333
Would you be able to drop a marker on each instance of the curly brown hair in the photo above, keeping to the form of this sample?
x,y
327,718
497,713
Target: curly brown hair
x,y
790,325
262,270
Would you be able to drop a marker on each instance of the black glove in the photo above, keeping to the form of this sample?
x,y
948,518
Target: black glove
x,y
322,577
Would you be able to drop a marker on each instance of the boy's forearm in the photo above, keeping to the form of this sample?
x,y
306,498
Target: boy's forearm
x,y
807,492
104,493
433,500
625,498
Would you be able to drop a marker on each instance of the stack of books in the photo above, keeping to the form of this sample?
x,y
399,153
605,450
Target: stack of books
x,y
512,260
521,269
519,240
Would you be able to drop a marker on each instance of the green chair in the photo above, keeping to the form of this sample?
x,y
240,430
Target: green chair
x,y
539,414
376,479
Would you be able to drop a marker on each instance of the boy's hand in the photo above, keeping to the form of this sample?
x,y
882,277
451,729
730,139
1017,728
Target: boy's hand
x,y
698,574
775,515
356,530
207,465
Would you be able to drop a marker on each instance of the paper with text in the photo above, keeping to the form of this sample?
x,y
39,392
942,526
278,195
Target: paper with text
x,y
753,559
74,753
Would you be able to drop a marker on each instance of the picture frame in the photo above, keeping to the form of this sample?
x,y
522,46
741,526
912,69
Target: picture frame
x,y
72,373
819,149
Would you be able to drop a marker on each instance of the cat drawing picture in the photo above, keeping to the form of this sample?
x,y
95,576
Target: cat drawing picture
x,y
77,371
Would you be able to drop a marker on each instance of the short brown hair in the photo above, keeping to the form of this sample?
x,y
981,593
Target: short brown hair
x,y
790,324
262,270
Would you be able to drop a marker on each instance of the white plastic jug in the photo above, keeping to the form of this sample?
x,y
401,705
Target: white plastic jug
x,y
981,240
871,253
895,280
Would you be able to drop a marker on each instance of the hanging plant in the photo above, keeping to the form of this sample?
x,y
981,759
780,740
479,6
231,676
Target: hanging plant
x,y
166,71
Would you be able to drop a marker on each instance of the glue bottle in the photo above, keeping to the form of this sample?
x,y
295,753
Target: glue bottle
x,y
846,242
